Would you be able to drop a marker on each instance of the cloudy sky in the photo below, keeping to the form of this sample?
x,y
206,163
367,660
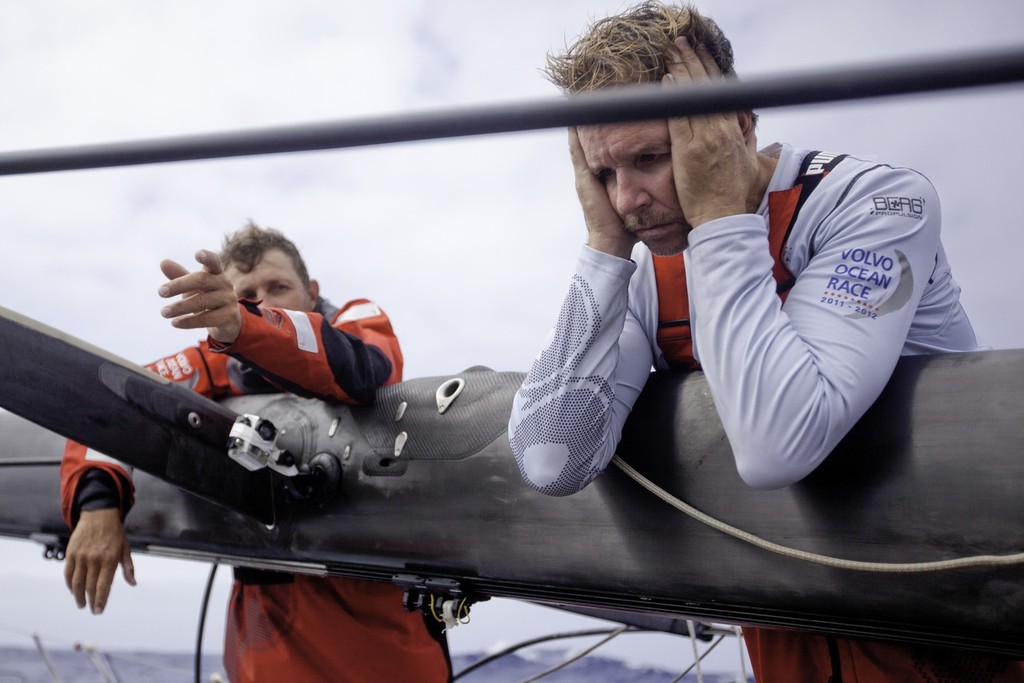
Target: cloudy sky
x,y
467,244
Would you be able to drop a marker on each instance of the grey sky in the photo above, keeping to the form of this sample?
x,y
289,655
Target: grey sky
x,y
467,244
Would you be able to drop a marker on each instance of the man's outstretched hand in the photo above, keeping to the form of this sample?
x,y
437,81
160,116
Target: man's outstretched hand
x,y
207,297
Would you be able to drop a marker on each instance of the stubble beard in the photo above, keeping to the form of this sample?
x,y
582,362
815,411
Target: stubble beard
x,y
667,245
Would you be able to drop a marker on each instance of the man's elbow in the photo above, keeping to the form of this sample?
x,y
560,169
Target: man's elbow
x,y
543,468
772,469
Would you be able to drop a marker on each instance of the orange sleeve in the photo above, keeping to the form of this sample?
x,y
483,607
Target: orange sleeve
x,y
364,319
344,360
198,368
77,460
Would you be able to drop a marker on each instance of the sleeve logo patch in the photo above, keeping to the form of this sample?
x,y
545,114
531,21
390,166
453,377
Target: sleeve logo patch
x,y
862,283
174,367
904,207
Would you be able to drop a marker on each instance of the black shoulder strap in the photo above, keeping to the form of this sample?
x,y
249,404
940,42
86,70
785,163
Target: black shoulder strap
x,y
784,208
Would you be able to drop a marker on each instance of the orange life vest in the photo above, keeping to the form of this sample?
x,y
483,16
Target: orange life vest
x,y
674,336
784,656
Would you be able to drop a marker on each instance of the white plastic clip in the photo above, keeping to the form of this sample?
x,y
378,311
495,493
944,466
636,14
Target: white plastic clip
x,y
448,392
400,443
449,615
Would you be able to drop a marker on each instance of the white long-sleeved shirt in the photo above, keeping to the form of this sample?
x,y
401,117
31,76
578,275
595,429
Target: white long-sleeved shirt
x,y
788,381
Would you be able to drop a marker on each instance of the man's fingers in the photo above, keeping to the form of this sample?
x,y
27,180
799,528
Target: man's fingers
x,y
588,186
208,299
198,282
579,159
684,67
95,548
200,301
101,588
90,588
204,309
196,321
210,261
711,67
69,571
184,282
74,578
172,269
680,127
685,64
128,566
694,64
604,225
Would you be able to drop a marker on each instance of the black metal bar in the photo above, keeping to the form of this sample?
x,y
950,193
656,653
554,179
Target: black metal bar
x,y
631,104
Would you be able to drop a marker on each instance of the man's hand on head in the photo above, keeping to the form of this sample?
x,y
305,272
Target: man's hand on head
x,y
207,297
604,225
714,163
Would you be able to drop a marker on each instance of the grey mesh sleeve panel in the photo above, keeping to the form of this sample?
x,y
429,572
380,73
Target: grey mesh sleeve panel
x,y
559,417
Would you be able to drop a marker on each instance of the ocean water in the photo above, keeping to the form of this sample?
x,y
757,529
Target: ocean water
x,y
27,665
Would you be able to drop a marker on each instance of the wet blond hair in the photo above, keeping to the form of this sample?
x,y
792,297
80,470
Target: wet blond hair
x,y
632,47
245,247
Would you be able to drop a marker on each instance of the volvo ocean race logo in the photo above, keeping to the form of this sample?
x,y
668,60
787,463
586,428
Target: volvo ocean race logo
x,y
869,284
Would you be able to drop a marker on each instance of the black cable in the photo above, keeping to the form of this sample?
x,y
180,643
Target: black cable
x,y
542,639
202,622
699,659
577,657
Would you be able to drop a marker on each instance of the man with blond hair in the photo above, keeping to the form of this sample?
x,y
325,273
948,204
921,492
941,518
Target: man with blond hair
x,y
269,331
794,279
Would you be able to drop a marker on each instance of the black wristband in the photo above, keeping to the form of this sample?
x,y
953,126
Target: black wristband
x,y
96,491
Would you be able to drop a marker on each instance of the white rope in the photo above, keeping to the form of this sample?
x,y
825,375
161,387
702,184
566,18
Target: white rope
x,y
696,654
743,659
826,560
